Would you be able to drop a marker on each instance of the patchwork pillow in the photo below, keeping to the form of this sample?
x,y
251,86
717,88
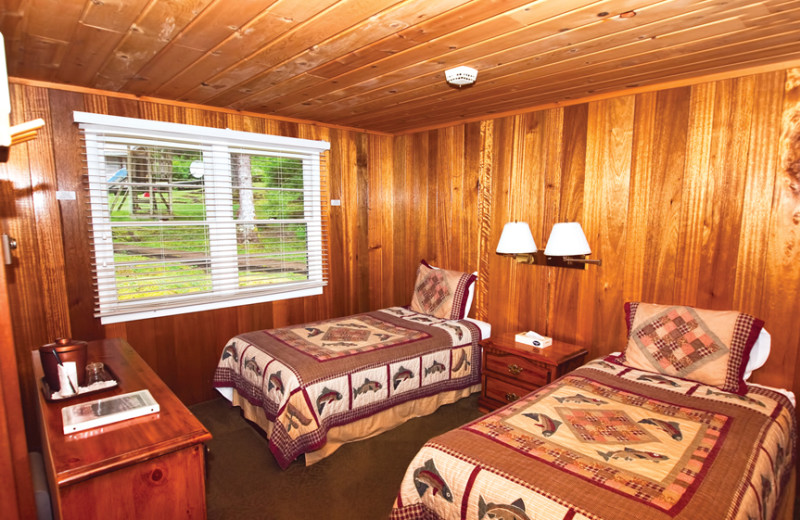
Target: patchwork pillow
x,y
440,292
710,347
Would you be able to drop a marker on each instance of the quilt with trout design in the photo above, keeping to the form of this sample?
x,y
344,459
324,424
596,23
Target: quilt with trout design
x,y
309,378
610,442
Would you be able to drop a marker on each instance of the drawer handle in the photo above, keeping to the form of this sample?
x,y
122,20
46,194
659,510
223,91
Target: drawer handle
x,y
515,369
511,396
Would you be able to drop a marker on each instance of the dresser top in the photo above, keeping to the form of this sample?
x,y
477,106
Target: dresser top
x,y
81,455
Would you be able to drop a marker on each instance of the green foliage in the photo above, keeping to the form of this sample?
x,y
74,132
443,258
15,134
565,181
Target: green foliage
x,y
180,245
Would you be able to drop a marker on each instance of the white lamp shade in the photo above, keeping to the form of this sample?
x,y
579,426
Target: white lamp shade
x,y
567,239
516,239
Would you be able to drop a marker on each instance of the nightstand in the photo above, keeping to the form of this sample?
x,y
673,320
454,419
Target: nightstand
x,y
511,370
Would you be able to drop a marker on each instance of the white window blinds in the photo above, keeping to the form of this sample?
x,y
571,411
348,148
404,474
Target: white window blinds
x,y
187,218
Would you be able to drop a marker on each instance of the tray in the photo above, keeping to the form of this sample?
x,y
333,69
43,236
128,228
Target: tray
x,y
48,393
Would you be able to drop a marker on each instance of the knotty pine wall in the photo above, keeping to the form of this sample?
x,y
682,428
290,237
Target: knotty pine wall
x,y
681,192
50,284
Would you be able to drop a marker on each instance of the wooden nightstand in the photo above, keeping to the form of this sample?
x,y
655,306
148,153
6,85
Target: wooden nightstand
x,y
509,371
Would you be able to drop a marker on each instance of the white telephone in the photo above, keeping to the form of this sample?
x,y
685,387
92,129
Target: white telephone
x,y
533,339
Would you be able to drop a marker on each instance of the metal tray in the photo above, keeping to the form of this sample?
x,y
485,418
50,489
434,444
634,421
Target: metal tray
x,y
48,394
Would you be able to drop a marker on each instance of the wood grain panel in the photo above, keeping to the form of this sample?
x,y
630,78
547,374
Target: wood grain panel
x,y
402,278
104,24
380,64
608,164
156,25
17,493
48,220
502,272
762,160
725,190
681,192
782,282
567,200
485,214
379,222
692,236
67,148
51,283
666,187
656,184
22,226
26,275
668,55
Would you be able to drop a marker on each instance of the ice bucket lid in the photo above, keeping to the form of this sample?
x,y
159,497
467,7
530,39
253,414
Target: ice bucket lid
x,y
64,345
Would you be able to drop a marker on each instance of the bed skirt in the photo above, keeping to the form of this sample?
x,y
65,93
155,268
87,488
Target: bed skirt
x,y
364,428
786,510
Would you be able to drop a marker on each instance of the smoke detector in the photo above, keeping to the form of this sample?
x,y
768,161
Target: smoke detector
x,y
461,76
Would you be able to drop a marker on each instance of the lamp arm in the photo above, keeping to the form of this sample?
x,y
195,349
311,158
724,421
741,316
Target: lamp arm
x,y
570,260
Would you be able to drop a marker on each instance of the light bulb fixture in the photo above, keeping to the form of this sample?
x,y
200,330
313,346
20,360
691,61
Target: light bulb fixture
x,y
566,247
516,241
461,76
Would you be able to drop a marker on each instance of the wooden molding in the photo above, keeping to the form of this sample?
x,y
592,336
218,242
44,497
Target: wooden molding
x,y
182,104
627,92
485,212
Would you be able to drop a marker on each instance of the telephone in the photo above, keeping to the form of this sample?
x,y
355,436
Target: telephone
x,y
533,339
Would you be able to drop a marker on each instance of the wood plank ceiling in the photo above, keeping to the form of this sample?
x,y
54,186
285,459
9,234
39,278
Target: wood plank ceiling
x,y
379,64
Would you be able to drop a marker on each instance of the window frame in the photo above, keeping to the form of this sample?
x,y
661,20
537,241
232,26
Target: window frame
x,y
221,143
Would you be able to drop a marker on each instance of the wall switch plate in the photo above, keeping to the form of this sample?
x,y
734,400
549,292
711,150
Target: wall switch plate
x,y
65,195
336,202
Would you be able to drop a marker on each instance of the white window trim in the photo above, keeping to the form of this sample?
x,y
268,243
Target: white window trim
x,y
226,293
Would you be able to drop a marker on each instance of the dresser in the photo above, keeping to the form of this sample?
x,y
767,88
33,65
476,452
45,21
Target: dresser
x,y
511,370
148,467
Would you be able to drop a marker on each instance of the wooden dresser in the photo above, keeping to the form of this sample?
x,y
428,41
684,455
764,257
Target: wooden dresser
x,y
511,370
148,467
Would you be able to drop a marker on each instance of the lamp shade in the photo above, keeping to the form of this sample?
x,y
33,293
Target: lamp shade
x,y
567,239
516,239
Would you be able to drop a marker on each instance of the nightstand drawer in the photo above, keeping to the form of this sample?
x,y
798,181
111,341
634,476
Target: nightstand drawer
x,y
527,372
503,391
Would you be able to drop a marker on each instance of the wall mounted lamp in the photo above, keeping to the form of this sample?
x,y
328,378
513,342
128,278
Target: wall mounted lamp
x,y
566,247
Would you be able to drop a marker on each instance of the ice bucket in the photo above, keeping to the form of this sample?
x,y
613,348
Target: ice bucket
x,y
67,351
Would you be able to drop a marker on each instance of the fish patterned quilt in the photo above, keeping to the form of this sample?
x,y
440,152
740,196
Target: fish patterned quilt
x,y
312,377
610,442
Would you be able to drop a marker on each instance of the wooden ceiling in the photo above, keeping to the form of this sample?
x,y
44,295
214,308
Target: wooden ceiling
x,y
379,64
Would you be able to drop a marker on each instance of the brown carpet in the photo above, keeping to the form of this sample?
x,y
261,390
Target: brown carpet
x,y
359,481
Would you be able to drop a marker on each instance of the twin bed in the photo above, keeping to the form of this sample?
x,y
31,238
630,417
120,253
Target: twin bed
x,y
316,386
666,430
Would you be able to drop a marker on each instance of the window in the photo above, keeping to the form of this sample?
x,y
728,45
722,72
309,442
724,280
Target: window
x,y
187,218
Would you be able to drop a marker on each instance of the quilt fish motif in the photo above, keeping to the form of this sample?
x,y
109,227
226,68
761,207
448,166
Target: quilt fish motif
x,y
312,377
609,441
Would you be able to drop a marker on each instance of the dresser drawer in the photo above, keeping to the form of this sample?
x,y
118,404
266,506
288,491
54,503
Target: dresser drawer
x,y
529,374
503,391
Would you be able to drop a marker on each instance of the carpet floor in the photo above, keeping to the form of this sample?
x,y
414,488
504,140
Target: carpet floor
x,y
359,481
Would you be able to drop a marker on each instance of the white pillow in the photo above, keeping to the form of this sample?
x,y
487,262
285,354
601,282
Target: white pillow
x,y
470,295
471,292
759,353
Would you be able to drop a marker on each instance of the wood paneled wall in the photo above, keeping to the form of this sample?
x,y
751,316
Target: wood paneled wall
x,y
688,195
50,284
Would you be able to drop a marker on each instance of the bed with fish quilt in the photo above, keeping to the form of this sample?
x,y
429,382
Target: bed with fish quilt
x,y
611,442
306,380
